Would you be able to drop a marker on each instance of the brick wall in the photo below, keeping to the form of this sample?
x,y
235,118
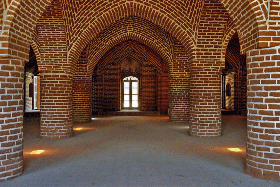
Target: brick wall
x,y
242,86
3,7
82,94
149,88
263,144
269,25
107,84
163,90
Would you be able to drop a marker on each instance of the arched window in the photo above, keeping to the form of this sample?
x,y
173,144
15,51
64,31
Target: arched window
x,y
130,93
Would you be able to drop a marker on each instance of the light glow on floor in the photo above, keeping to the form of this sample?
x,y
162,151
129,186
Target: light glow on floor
x,y
37,152
234,150
82,128
183,127
78,129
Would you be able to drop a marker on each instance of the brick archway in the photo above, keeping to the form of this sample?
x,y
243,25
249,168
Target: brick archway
x,y
13,11
154,37
19,20
143,31
147,11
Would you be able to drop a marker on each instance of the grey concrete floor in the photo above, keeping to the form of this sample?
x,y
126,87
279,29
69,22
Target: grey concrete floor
x,y
137,151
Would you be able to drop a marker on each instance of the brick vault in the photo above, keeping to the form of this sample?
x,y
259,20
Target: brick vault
x,y
176,51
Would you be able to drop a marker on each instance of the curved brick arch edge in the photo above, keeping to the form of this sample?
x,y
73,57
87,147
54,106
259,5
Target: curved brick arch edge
x,y
128,36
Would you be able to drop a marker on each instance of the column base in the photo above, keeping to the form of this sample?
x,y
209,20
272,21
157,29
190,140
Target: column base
x,y
258,173
52,132
205,130
15,168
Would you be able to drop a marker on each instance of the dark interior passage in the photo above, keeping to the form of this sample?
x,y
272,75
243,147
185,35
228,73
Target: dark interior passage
x,y
130,59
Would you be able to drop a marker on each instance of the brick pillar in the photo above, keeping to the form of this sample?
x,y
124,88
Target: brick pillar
x,y
82,98
56,105
11,118
205,101
179,85
178,97
263,141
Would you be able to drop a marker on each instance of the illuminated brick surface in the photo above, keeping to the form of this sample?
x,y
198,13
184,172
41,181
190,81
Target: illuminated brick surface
x,y
190,36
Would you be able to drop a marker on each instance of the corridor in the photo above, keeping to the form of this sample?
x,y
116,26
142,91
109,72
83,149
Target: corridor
x,y
121,151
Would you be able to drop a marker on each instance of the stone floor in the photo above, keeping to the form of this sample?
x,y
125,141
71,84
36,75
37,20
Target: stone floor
x,y
136,151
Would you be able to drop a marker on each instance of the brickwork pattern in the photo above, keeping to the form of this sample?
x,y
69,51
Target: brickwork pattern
x,y
131,28
263,144
82,94
11,117
269,24
56,106
256,22
245,21
148,87
19,22
230,35
56,77
35,45
108,75
242,86
205,117
179,85
163,93
145,9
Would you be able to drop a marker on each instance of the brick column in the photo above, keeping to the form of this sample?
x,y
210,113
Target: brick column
x,y
11,118
179,85
82,98
178,97
205,101
56,105
263,141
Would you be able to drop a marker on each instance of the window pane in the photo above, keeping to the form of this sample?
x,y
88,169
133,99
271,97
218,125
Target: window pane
x,y
126,87
134,90
126,104
134,103
126,90
134,97
126,84
134,87
134,84
126,97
